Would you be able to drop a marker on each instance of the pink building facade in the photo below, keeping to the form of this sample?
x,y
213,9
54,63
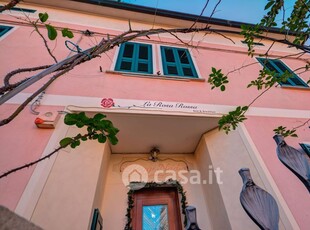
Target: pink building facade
x,y
155,91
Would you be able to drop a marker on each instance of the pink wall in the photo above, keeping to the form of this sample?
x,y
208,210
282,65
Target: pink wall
x,y
292,189
87,80
21,142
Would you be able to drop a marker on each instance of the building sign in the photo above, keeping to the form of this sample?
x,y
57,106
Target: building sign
x,y
109,103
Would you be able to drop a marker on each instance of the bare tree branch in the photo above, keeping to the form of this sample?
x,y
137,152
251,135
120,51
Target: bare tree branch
x,y
202,11
10,5
30,164
303,124
44,87
45,42
45,157
104,46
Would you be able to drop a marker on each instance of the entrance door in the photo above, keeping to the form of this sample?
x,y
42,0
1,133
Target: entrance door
x,y
156,209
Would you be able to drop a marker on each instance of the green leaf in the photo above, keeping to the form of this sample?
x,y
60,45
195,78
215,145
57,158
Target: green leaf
x,y
269,4
75,144
80,124
70,119
112,130
89,129
95,136
67,33
245,108
223,88
99,116
102,138
113,139
51,32
65,142
43,17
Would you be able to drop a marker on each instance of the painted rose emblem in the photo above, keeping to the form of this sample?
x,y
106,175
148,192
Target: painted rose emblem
x,y
107,102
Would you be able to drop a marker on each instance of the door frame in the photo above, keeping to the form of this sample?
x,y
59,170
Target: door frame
x,y
172,184
157,196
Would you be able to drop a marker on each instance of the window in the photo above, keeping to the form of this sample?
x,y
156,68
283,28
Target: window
x,y
22,9
280,68
135,57
305,147
4,29
177,62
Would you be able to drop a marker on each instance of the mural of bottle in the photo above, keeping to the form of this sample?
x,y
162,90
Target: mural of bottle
x,y
296,161
258,204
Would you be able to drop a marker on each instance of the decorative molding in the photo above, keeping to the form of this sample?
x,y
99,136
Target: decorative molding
x,y
93,104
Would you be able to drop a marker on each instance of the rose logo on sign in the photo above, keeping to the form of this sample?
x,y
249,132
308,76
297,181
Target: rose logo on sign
x,y
107,102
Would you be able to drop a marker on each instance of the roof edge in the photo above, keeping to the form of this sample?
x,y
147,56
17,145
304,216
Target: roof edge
x,y
173,14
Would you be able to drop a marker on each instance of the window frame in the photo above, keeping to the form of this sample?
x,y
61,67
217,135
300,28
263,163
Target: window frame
x,y
5,30
21,9
134,60
177,63
157,196
289,82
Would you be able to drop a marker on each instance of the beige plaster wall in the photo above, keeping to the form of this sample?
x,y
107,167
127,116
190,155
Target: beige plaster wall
x,y
68,197
114,205
229,153
102,177
211,191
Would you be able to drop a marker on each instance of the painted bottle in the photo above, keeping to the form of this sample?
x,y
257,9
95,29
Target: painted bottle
x,y
258,204
296,161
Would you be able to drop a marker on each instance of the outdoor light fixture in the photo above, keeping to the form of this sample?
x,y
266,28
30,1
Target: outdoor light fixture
x,y
154,158
154,154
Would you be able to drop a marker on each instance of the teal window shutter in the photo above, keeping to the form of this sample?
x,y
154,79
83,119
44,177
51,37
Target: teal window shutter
x,y
21,9
4,29
177,62
280,68
135,57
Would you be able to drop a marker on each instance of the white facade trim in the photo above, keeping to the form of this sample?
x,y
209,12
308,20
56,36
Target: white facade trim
x,y
94,104
9,32
35,186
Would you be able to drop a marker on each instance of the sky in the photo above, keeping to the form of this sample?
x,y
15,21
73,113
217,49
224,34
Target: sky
x,y
248,11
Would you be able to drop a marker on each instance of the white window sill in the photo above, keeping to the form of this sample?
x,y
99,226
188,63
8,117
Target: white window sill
x,y
153,76
293,87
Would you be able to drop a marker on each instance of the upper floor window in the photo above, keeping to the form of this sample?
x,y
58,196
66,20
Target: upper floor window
x,y
135,57
280,68
177,62
4,29
25,10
